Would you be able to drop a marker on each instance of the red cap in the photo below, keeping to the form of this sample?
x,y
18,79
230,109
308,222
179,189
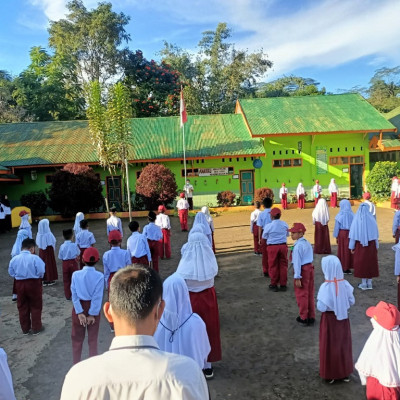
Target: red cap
x,y
385,314
114,235
297,227
366,195
283,184
395,177
22,213
317,181
275,211
91,254
161,208
182,195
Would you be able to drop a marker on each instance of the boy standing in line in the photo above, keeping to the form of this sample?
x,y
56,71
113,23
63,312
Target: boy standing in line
x,y
302,258
163,222
114,223
138,246
28,270
84,239
254,228
153,234
183,210
264,219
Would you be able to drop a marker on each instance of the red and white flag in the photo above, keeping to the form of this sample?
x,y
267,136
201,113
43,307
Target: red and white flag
x,y
183,110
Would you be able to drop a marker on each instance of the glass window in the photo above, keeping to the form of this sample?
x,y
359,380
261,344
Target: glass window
x,y
287,163
344,160
297,162
334,160
277,163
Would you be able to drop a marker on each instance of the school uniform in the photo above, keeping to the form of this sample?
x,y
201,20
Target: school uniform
x,y
77,225
275,234
113,260
7,212
302,258
371,207
16,249
341,231
396,249
163,222
139,249
396,226
201,219
26,225
254,230
154,235
183,211
283,193
2,219
114,224
28,270
84,240
394,193
335,297
333,191
210,222
301,194
68,253
263,219
316,190
46,243
320,215
87,295
188,189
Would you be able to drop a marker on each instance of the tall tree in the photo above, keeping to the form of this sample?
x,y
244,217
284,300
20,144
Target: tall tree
x,y
384,90
91,39
219,74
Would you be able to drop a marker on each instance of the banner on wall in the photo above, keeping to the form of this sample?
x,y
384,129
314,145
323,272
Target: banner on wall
x,y
213,171
321,160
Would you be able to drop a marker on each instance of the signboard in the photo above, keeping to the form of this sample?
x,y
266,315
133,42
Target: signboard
x,y
321,160
213,171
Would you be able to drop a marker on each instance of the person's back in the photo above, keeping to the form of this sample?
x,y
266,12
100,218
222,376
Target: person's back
x,y
134,367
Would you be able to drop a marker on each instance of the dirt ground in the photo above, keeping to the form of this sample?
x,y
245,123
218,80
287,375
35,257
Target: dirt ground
x,y
266,355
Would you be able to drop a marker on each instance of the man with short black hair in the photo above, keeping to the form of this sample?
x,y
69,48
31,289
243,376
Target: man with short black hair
x,y
135,367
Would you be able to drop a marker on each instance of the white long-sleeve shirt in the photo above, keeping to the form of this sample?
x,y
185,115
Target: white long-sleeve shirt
x,y
162,221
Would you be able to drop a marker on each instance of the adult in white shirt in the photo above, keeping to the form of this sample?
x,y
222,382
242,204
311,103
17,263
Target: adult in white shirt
x,y
135,367
188,189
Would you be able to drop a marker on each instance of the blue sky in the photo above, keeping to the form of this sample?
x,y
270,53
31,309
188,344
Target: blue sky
x,y
340,43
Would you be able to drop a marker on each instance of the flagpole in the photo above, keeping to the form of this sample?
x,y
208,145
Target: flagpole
x,y
184,150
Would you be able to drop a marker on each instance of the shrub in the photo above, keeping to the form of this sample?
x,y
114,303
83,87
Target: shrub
x,y
36,201
75,188
225,199
156,185
379,180
262,193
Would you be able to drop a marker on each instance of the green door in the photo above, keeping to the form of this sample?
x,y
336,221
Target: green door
x,y
114,192
247,186
356,182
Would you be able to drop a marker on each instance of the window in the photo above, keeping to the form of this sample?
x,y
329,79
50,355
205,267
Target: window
x,y
273,153
277,163
346,160
297,162
289,162
356,160
223,160
292,151
138,174
49,178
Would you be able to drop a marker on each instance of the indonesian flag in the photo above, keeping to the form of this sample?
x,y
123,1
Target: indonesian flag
x,y
183,110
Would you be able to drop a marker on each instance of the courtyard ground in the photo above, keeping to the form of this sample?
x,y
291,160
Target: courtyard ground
x,y
266,354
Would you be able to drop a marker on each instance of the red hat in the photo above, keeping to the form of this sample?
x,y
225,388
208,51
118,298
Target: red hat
x,y
91,254
114,235
182,195
366,195
22,213
385,314
317,181
395,177
283,184
161,208
275,211
297,227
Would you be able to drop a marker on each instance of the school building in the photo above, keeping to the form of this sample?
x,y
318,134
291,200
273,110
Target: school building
x,y
264,143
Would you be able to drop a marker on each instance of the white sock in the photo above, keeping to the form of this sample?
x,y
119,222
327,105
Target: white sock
x,y
207,365
369,282
364,281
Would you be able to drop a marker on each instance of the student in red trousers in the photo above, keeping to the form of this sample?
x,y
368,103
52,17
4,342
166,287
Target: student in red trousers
x,y
283,194
154,235
162,221
183,210
254,228
301,194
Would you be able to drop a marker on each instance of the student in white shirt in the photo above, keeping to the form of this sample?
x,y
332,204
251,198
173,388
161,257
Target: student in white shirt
x,y
163,222
254,228
183,206
84,239
114,223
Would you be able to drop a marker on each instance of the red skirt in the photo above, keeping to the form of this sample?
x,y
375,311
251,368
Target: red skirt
x,y
205,304
49,259
334,199
376,391
393,200
335,350
343,251
143,260
322,243
366,261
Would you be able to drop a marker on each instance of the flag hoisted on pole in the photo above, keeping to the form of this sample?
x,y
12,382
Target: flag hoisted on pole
x,y
183,122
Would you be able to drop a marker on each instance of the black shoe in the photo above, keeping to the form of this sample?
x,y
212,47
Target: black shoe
x,y
311,321
209,373
302,322
34,333
283,288
273,287
26,333
347,272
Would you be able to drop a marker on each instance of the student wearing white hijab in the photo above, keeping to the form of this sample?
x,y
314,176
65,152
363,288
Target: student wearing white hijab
x,y
77,227
320,216
25,222
195,229
6,383
114,222
46,242
198,266
210,221
201,219
394,190
341,231
364,245
379,362
334,192
180,330
300,193
335,297
16,249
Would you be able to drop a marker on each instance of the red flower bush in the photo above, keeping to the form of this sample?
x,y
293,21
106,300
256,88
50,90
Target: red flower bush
x,y
262,193
226,198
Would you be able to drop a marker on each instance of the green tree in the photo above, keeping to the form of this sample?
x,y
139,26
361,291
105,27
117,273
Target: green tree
x,y
379,180
91,39
219,74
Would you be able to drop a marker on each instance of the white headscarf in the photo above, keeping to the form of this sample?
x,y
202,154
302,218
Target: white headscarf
x,y
332,186
364,227
336,293
395,185
345,216
181,331
195,229
78,218
44,237
321,212
198,262
200,219
300,189
380,357
209,219
25,222
21,236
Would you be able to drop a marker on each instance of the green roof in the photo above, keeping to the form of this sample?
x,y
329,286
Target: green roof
x,y
390,143
312,114
394,117
3,168
46,143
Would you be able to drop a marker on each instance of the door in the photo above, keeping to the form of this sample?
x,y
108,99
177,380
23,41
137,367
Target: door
x,y
114,192
247,186
356,182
